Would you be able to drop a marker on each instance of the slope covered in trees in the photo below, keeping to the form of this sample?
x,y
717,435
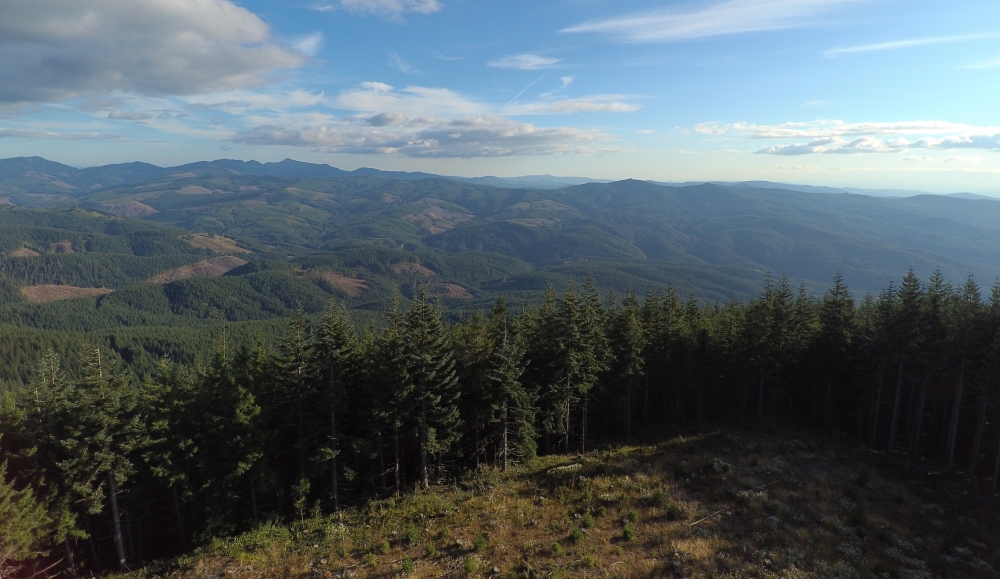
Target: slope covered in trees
x,y
327,417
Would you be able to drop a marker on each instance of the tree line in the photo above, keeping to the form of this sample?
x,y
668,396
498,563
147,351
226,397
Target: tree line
x,y
103,470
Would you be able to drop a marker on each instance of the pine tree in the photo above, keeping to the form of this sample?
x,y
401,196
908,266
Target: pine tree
x,y
835,341
628,341
24,527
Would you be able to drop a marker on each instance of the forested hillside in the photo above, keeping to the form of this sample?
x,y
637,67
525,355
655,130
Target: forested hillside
x,y
328,417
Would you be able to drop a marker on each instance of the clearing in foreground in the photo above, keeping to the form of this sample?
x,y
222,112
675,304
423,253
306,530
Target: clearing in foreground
x,y
713,505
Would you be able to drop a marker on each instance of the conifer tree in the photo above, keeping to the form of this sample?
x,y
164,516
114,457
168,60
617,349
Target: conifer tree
x,y
628,341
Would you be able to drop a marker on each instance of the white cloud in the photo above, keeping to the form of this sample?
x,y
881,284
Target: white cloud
x,y
726,17
523,62
465,137
839,137
33,134
119,115
52,50
984,64
566,81
592,104
413,101
391,8
395,61
387,119
310,44
900,44
646,132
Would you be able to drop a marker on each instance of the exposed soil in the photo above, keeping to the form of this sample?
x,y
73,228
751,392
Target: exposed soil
x,y
449,290
216,243
410,268
195,190
214,267
6,201
130,209
348,285
434,220
43,294
24,252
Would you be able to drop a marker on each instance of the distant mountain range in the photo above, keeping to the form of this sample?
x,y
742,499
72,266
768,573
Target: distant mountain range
x,y
42,176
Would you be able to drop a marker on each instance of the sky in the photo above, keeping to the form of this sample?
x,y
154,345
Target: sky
x,y
864,93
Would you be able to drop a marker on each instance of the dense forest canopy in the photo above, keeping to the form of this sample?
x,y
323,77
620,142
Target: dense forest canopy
x,y
327,416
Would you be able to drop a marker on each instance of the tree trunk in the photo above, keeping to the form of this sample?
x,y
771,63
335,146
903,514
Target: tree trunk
x,y
333,460
955,413
760,397
645,404
115,516
253,499
628,412
878,404
828,416
893,428
921,408
178,514
425,474
70,560
94,555
506,429
976,444
583,429
996,472
399,474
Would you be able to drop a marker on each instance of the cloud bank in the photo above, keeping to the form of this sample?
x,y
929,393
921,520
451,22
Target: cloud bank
x,y
721,18
839,137
391,8
523,62
52,50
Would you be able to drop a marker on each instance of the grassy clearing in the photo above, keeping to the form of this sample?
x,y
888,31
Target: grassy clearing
x,y
726,505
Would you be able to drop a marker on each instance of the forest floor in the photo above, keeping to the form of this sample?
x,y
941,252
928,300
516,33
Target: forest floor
x,y
719,504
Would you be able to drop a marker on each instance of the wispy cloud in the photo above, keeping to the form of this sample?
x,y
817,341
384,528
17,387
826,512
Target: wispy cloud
x,y
566,81
524,62
310,44
984,64
839,137
901,44
33,134
391,8
591,104
397,62
726,17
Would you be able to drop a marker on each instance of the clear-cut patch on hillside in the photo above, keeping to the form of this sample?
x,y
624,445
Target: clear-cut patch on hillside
x,y
216,243
449,290
410,268
6,201
214,267
434,220
42,294
63,247
24,252
195,190
129,209
351,286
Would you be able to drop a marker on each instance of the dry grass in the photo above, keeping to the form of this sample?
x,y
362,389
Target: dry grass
x,y
24,252
714,505
348,285
449,290
210,267
194,190
216,243
410,268
434,220
43,294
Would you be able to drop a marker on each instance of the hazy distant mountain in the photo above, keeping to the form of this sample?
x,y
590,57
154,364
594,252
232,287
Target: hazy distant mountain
x,y
812,188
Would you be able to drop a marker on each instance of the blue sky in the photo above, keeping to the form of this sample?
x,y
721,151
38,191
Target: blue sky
x,y
866,93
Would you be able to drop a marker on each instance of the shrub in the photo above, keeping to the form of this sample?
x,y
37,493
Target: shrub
x,y
588,561
470,565
383,547
558,550
659,499
587,521
628,533
408,566
632,516
674,512
602,511
479,543
430,551
577,536
411,533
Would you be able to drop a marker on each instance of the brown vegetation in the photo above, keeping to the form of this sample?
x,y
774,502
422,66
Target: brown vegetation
x,y
24,252
216,243
348,285
411,268
210,267
129,209
43,294
434,220
62,247
194,190
449,290
724,505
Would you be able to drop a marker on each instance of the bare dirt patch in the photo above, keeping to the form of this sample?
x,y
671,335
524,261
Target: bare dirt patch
x,y
214,267
216,243
130,209
194,190
62,247
535,222
449,290
6,201
24,252
348,285
43,294
434,220
410,268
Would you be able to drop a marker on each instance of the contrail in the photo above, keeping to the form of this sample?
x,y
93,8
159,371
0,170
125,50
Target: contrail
x,y
524,89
